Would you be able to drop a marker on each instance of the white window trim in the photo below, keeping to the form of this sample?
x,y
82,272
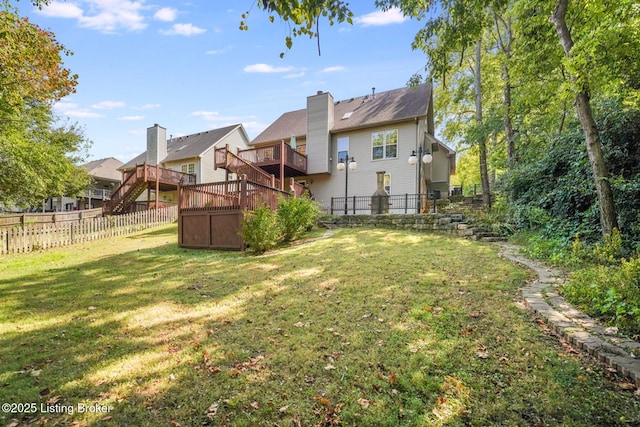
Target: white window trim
x,y
384,145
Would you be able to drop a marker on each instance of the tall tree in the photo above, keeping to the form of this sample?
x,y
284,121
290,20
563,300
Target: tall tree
x,y
39,159
608,216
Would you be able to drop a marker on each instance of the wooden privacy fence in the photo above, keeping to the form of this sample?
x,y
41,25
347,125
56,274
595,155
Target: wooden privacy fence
x,y
47,217
44,236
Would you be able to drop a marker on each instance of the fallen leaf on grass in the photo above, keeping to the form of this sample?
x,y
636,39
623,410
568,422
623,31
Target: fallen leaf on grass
x,y
626,385
255,405
329,367
466,331
53,400
283,408
363,402
321,400
212,411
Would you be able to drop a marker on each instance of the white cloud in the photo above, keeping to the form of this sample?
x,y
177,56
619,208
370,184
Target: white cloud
x,y
108,105
57,9
83,113
379,18
184,30
131,118
166,14
71,109
147,107
102,15
294,75
219,51
266,68
219,120
333,69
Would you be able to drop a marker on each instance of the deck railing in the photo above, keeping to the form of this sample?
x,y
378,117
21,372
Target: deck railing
x,y
272,154
240,194
224,158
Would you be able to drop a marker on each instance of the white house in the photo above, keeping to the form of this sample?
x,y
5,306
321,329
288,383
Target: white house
x,y
379,131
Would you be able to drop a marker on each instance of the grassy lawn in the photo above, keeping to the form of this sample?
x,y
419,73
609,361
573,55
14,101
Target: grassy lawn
x,y
363,328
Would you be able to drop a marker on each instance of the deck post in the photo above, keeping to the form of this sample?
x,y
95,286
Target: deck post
x,y
157,185
282,159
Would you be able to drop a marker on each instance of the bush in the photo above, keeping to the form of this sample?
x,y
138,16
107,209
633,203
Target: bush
x,y
296,215
260,229
611,293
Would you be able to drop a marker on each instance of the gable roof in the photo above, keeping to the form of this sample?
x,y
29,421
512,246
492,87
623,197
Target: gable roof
x,y
365,111
106,169
189,146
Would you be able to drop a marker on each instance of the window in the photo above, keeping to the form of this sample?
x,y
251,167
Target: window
x,y
387,183
189,168
384,144
343,149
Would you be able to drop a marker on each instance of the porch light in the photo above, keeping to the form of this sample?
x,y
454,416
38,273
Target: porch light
x,y
341,166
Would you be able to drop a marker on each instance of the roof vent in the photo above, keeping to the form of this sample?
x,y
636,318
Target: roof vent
x,y
347,115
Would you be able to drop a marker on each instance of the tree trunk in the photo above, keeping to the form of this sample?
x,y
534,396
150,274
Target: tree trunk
x,y
608,216
505,44
482,143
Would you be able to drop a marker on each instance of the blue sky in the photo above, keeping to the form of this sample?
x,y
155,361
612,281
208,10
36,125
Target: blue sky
x,y
186,65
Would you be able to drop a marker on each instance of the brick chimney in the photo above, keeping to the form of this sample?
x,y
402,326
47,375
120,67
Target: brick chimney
x,y
156,144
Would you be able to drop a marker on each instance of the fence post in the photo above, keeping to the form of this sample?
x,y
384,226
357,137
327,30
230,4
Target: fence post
x,y
354,205
331,206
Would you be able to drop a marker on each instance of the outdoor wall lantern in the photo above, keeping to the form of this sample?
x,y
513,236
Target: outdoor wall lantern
x,y
341,166
413,160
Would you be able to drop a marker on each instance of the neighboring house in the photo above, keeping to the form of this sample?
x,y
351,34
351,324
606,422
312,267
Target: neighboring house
x,y
191,154
379,131
106,177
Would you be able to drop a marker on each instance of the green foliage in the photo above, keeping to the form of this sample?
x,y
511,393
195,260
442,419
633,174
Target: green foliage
x,y
39,158
610,292
260,229
552,249
304,15
296,215
608,252
553,191
263,229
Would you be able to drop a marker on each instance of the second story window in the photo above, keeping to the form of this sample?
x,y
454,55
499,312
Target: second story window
x,y
343,149
384,144
189,168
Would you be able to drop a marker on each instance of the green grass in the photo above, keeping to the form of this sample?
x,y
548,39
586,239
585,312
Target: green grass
x,y
366,328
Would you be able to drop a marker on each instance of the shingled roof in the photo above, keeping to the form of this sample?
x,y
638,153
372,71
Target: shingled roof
x,y
365,111
188,147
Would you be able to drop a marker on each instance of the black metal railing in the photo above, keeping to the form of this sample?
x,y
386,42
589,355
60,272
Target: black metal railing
x,y
381,204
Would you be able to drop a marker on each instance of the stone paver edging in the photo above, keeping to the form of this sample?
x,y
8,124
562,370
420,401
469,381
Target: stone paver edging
x,y
542,298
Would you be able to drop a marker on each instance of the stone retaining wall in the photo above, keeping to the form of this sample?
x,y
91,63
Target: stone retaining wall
x,y
453,223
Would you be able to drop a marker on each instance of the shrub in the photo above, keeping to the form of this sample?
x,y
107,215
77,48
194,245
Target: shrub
x,y
611,293
260,229
296,215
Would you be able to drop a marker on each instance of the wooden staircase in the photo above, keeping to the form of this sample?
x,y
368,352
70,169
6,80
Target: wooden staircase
x,y
144,177
225,159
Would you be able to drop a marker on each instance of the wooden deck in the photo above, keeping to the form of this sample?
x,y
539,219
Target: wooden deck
x,y
210,215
